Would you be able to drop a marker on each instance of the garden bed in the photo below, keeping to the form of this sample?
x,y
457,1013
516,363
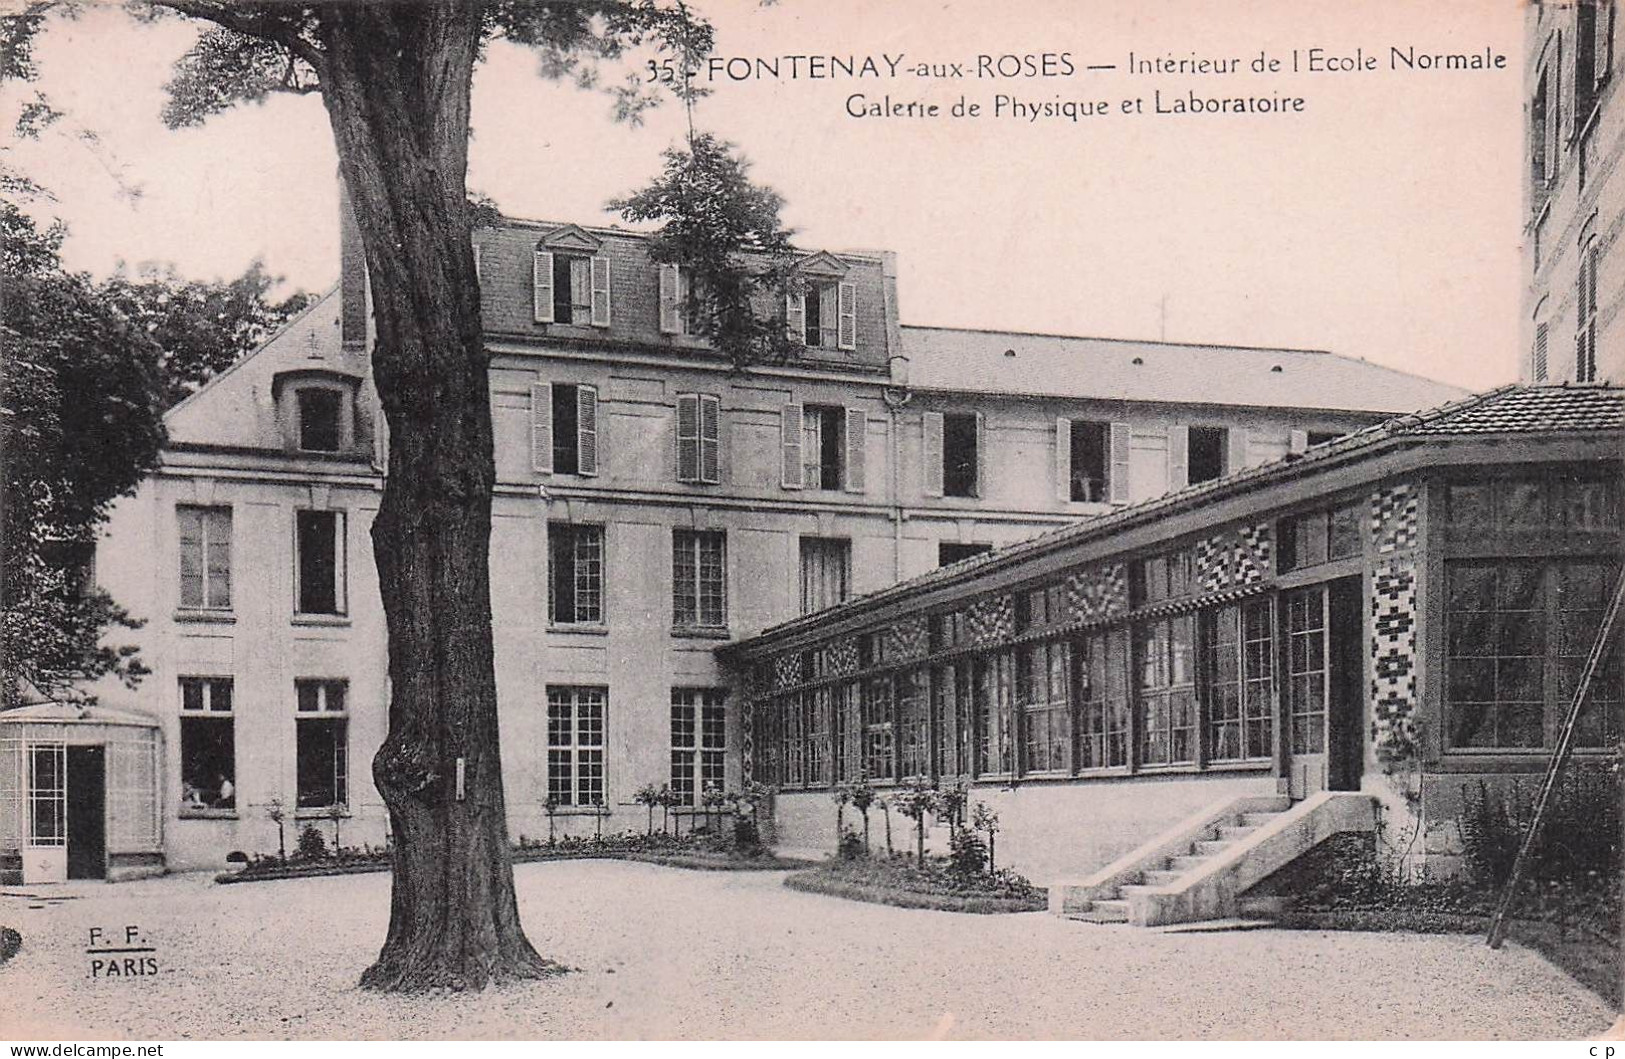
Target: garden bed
x,y
673,855
900,883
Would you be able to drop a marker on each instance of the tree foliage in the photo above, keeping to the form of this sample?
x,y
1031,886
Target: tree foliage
x,y
201,327
81,423
726,232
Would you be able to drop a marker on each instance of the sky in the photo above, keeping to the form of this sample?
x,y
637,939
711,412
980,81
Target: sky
x,y
1381,220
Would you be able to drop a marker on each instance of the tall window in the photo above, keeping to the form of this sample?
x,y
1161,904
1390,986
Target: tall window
x,y
1239,670
575,573
572,289
1319,537
817,752
320,419
1519,633
205,534
914,723
1168,691
950,552
1041,692
698,437
1540,141
1090,460
698,579
1207,453
1103,706
826,572
877,728
1306,670
208,747
575,429
961,456
575,745
991,695
823,446
322,733
699,742
1585,336
319,542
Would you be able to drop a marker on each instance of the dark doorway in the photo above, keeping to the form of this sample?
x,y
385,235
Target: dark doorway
x,y
1345,733
87,812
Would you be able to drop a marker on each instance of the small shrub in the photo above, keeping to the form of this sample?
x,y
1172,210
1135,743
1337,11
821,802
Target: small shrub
x,y
850,846
312,843
967,853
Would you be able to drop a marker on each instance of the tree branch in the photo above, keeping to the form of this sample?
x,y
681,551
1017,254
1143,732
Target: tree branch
x,y
252,22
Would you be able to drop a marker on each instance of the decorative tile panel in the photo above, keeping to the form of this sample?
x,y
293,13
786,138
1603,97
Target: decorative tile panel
x,y
1393,656
909,638
841,657
1393,518
787,671
747,741
993,619
1233,558
1098,593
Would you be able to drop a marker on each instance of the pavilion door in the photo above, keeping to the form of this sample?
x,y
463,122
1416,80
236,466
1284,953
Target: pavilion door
x,y
87,812
1323,730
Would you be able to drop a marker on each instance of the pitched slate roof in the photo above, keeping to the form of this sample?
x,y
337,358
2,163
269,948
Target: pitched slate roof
x,y
1514,409
1040,365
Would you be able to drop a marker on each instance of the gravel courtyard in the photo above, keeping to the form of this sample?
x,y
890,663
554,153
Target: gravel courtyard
x,y
669,953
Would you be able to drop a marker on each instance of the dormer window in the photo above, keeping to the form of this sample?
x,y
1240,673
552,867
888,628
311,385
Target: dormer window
x,y
315,409
822,313
570,279
320,419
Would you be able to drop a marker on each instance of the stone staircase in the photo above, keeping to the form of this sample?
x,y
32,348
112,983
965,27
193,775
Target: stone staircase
x,y
1198,869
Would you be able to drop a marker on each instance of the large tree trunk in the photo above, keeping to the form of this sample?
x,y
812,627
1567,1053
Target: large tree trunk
x,y
396,89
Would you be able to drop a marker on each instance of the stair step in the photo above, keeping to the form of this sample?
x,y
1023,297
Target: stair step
x,y
1208,849
1258,819
1160,878
1185,864
1102,912
1230,834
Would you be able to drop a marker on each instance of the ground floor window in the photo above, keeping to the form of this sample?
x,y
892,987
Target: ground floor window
x,y
914,723
1306,670
322,743
699,742
1519,633
1046,707
208,746
1238,651
575,744
1167,690
877,728
1103,700
992,692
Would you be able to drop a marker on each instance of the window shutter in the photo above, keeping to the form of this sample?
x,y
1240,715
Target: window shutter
x,y
931,453
710,438
1537,368
670,321
600,291
795,316
688,437
857,449
1607,16
1122,439
1298,441
477,249
587,430
1179,465
847,301
541,427
541,279
790,428
981,456
1063,459
1236,442
380,434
